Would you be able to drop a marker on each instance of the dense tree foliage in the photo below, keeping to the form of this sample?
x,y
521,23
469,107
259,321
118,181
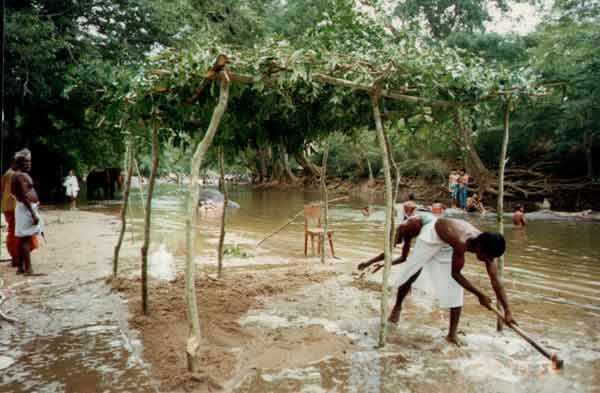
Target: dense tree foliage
x,y
83,77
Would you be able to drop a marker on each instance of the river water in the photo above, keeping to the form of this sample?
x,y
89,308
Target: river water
x,y
552,278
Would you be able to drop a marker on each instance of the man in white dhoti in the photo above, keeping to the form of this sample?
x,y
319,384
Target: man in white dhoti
x,y
439,256
27,222
71,188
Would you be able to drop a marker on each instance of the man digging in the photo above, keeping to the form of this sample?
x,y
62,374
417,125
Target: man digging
x,y
439,255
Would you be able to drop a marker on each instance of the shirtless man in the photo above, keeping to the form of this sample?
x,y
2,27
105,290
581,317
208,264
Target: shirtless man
x,y
440,252
27,221
519,216
8,209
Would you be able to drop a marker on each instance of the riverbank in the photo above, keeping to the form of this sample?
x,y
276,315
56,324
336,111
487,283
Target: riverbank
x,y
72,333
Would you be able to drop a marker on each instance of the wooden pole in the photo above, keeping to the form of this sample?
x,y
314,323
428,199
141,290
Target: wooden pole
x,y
139,175
500,208
223,214
324,202
195,335
389,212
124,206
148,216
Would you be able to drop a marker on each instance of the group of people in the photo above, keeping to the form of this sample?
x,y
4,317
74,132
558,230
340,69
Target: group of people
x,y
20,207
458,186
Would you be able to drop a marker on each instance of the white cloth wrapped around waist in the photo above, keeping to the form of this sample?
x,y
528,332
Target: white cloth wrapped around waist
x,y
24,222
433,257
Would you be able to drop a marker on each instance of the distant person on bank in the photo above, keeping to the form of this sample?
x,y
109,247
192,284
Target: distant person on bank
x,y
453,187
27,220
463,181
9,203
71,188
474,205
439,254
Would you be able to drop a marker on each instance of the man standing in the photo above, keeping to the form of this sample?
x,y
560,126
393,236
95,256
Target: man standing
x,y
439,255
8,209
27,222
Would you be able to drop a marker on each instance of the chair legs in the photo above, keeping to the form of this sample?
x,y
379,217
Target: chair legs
x,y
320,238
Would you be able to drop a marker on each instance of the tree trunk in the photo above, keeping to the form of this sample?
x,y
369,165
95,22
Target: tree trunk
x,y
587,145
324,202
195,335
147,216
371,178
478,169
223,214
389,212
130,153
500,212
286,164
309,168
262,160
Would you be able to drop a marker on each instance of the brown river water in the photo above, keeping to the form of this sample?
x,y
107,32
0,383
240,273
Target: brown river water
x,y
552,277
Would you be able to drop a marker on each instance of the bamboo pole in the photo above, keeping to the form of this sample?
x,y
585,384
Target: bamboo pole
x,y
389,212
500,207
223,214
124,207
195,335
324,203
148,215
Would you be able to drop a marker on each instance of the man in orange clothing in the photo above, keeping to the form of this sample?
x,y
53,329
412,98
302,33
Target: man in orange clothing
x,y
8,209
27,221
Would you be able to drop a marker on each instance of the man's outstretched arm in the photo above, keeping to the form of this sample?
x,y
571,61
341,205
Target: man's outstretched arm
x,y
404,233
458,261
492,270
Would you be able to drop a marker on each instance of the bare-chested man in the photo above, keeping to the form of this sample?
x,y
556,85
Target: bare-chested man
x,y
439,254
519,216
27,221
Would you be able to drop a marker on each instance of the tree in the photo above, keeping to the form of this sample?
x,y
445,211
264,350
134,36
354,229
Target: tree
x,y
443,17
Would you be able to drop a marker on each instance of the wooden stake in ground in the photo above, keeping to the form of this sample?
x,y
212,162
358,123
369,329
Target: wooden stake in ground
x,y
195,336
223,214
500,208
148,214
389,212
139,175
126,190
324,202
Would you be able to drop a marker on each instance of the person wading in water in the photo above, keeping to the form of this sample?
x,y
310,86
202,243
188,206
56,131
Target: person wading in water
x,y
439,254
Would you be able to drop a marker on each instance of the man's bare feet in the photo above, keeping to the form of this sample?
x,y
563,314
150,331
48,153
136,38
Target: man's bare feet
x,y
394,316
455,341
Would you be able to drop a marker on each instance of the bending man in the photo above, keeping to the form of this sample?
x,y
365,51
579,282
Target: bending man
x,y
439,255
